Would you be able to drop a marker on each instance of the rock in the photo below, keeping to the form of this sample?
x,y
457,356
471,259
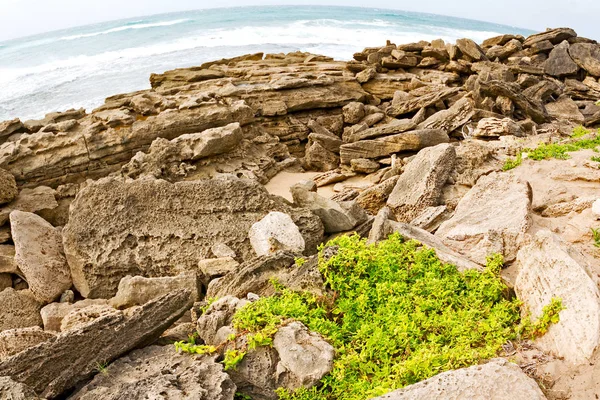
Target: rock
x,y
392,128
364,166
549,268
254,276
497,380
382,147
54,313
555,36
470,49
319,158
383,227
217,267
336,217
431,218
8,187
153,228
30,200
78,317
12,390
559,61
39,255
14,341
505,51
7,260
587,56
530,107
5,281
596,209
420,185
7,128
565,109
492,217
156,372
500,40
366,75
275,232
222,250
137,290
453,118
69,358
19,309
410,105
496,127
353,112
214,325
375,197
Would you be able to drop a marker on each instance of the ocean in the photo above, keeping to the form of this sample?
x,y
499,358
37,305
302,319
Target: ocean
x,y
80,67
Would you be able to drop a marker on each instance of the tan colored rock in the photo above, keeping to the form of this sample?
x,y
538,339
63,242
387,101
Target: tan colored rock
x,y
13,390
154,228
375,197
19,309
496,380
79,317
30,200
318,158
39,255
550,268
565,109
14,341
7,260
54,313
587,56
217,267
410,105
5,281
470,49
453,118
8,187
496,127
492,217
275,232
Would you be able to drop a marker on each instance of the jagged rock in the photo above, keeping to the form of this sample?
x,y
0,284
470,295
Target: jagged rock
x,y
79,317
555,36
565,109
530,107
156,372
474,158
504,51
12,390
366,75
275,232
470,49
222,250
54,313
587,56
392,128
319,158
492,217
67,359
8,187
375,197
254,276
7,260
383,226
496,127
19,309
216,267
214,325
497,380
14,341
410,105
382,147
500,40
154,228
549,268
559,61
420,185
353,112
430,218
30,200
336,217
39,256
137,290
363,165
453,118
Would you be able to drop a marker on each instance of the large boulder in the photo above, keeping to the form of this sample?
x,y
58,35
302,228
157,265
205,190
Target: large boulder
x,y
420,185
153,228
8,187
19,309
587,56
60,363
492,217
39,255
160,373
276,231
549,268
496,380
560,63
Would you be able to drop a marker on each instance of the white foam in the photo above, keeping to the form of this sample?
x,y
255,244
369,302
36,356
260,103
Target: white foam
x,y
124,28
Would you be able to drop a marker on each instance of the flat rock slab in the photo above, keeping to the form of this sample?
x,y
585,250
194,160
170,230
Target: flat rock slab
x,y
154,228
496,380
492,217
60,363
141,376
549,268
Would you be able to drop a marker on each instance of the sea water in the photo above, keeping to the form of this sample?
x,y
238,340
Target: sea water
x,y
80,67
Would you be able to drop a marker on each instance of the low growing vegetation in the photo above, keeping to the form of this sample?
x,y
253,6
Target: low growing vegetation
x,y
395,315
596,236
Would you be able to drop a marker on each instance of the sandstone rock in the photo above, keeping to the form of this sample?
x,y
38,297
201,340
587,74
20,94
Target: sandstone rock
x,y
353,112
500,40
453,118
375,197
12,390
505,51
492,217
420,185
39,256
470,49
217,267
54,313
410,105
392,128
366,75
79,317
496,127
363,165
596,209
7,260
336,217
153,228
14,341
431,218
10,127
555,36
5,281
587,56
530,107
275,232
319,158
30,200
497,380
254,276
214,325
566,109
19,309
156,372
8,187
549,268
559,61
222,250
69,358
137,290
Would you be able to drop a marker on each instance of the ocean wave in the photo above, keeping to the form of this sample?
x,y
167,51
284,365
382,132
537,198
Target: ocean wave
x,y
130,25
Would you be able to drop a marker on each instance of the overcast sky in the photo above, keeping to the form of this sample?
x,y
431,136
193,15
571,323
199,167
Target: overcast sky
x,y
28,17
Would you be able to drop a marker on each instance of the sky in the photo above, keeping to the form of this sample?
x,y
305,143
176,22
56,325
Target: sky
x,y
27,17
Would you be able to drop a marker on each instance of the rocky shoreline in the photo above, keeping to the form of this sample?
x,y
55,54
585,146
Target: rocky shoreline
x,y
117,226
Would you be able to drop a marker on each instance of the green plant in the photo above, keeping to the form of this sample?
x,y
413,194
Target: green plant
x,y
512,162
395,315
232,358
241,396
596,236
102,367
580,131
595,158
300,261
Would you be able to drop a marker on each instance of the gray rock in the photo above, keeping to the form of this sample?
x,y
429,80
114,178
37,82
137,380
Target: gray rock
x,y
215,267
8,187
559,61
160,373
69,358
275,232
587,56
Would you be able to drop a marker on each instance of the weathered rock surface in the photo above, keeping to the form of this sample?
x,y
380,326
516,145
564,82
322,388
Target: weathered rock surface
x,y
19,309
39,255
154,228
495,127
549,268
275,232
11,390
53,314
30,200
497,380
60,363
8,187
14,341
559,61
159,372
477,232
587,56
420,185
